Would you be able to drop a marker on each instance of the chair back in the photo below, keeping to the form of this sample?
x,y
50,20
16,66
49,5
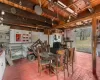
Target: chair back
x,y
60,56
71,54
38,54
46,46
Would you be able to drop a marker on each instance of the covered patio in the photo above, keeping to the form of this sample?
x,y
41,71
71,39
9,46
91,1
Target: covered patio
x,y
49,39
25,70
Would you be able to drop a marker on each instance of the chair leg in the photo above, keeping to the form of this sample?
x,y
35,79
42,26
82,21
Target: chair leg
x,y
67,69
72,67
67,64
57,73
72,63
40,69
49,69
64,72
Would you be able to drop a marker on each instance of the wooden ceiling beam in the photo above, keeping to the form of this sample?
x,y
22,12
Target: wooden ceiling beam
x,y
15,19
25,28
82,16
76,26
29,4
27,9
25,14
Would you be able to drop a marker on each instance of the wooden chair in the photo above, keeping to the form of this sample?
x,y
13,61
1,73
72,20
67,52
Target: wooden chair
x,y
69,59
46,47
58,63
42,62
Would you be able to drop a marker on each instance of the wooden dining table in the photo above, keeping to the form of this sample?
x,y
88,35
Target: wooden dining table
x,y
47,55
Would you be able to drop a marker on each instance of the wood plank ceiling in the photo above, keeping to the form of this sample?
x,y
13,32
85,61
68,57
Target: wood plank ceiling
x,y
53,14
78,6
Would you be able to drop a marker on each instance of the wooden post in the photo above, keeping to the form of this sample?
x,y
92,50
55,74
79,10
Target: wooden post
x,y
94,44
48,36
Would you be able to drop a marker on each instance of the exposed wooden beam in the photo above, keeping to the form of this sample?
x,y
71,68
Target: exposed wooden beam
x,y
24,28
94,43
24,8
82,16
25,14
15,19
68,2
29,4
74,27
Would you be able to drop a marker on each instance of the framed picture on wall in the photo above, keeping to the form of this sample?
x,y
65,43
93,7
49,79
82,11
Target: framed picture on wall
x,y
18,37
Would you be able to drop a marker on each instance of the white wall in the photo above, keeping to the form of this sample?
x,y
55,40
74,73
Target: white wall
x,y
39,35
51,40
71,34
2,65
3,28
98,49
13,33
34,36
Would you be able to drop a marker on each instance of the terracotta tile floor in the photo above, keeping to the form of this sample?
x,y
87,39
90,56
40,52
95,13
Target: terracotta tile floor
x,y
25,70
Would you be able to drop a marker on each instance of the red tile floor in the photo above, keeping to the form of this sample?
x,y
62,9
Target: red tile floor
x,y
26,70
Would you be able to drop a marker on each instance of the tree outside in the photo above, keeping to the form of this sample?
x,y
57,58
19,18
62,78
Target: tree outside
x,y
83,39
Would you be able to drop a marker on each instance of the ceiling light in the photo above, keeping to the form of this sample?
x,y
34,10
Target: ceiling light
x,y
63,5
59,3
68,20
38,10
1,19
2,13
2,24
49,0
91,10
70,10
69,17
75,13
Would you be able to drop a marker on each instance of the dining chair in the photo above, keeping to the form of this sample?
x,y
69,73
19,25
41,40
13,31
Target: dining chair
x,y
69,59
46,46
57,64
43,63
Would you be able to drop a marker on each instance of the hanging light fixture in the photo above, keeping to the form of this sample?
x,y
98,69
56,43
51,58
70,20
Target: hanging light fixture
x,y
36,29
2,13
52,22
38,10
13,9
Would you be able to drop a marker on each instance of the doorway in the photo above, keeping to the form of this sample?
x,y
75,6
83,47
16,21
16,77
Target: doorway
x,y
84,39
